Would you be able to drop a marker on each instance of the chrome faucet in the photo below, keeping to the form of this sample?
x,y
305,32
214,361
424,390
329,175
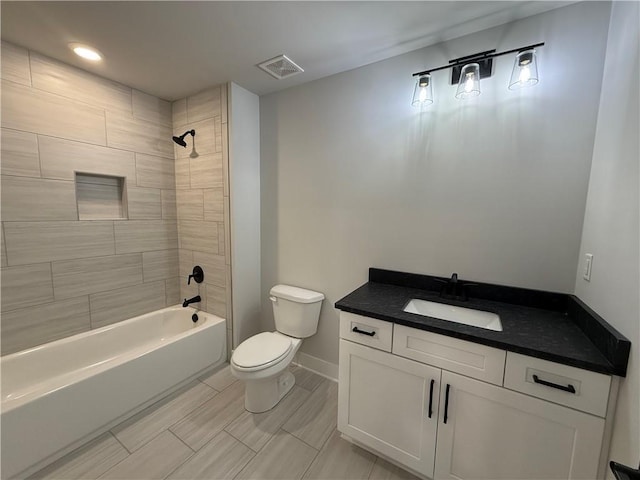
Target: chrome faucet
x,y
195,299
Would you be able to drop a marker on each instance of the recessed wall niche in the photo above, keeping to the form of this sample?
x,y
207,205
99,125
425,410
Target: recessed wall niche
x,y
101,197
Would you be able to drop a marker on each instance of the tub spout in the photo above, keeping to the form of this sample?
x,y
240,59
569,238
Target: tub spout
x,y
195,299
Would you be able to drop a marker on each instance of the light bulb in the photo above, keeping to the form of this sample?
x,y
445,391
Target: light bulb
x,y
86,52
525,74
525,70
468,85
423,94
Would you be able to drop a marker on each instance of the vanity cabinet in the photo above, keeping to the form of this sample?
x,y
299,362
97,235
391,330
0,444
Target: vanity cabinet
x,y
494,433
390,404
445,413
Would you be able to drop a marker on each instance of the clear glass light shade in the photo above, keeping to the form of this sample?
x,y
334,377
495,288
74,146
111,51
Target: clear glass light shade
x,y
423,92
469,84
525,70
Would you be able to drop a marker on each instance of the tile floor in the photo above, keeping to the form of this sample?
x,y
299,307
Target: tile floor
x,y
204,432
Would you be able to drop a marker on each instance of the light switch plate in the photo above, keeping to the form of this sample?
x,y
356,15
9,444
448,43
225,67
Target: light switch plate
x,y
588,261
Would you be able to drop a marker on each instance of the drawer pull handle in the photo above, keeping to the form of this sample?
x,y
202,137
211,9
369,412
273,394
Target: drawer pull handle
x,y
357,330
431,398
569,388
446,403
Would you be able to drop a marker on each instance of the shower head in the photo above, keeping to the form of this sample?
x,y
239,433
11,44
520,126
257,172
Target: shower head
x,y
180,140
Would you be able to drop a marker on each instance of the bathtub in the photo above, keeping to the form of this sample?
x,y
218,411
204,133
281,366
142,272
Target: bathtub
x,y
58,395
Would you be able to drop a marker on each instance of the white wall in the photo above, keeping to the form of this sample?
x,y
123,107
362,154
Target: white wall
x,y
611,222
492,188
244,169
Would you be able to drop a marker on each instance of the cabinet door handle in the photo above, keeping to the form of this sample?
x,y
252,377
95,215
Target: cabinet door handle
x,y
446,403
569,388
357,330
431,397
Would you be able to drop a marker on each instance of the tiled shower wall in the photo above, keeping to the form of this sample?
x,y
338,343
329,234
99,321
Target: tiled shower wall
x,y
61,276
202,199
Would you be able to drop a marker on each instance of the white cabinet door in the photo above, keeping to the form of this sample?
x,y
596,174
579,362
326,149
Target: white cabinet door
x,y
389,404
493,433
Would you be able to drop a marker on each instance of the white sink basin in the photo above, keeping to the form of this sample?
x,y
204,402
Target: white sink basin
x,y
467,316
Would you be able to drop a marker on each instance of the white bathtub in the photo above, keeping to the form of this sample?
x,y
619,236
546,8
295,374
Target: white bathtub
x,y
58,395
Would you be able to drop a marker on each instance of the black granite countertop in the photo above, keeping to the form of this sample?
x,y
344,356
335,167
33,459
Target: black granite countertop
x,y
546,325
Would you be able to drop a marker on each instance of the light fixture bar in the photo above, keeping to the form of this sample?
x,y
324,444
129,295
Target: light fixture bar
x,y
458,62
475,56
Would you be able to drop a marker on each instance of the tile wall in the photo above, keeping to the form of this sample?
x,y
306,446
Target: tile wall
x,y
62,276
202,199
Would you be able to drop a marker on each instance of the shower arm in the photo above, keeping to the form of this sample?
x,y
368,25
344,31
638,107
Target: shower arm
x,y
188,132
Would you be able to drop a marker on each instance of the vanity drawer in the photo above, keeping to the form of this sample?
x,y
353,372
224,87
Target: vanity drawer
x,y
574,387
367,331
459,356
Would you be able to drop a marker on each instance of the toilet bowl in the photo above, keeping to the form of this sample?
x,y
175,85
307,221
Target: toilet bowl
x,y
262,361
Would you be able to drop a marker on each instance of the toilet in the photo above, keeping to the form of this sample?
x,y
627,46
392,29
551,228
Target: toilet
x,y
262,361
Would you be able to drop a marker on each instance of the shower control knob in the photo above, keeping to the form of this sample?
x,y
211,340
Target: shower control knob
x,y
197,275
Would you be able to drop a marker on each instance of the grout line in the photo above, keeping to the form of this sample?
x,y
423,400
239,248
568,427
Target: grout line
x,y
60,221
4,246
39,155
311,464
324,444
303,441
30,68
181,441
148,441
118,440
26,177
113,232
118,463
181,464
255,452
205,383
375,462
51,302
106,130
83,142
53,287
372,464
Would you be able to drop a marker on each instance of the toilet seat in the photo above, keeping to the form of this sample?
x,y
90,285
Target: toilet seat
x,y
261,351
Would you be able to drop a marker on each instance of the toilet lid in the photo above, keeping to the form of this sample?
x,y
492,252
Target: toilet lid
x,y
261,349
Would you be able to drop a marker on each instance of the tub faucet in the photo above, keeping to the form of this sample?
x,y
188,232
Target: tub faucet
x,y
195,299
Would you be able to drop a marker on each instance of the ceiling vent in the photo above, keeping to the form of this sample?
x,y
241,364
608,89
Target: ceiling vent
x,y
280,67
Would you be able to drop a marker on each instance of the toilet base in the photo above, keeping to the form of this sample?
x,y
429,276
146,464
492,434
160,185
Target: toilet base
x,y
263,395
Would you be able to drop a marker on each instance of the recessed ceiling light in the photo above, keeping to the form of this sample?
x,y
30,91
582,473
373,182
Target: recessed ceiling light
x,y
86,52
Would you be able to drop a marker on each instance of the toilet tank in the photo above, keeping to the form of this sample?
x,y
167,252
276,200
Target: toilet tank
x,y
296,310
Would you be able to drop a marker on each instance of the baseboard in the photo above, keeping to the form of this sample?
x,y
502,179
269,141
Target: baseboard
x,y
317,365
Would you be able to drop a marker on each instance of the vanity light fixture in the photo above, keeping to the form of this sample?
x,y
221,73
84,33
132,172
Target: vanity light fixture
x,y
86,52
467,72
469,83
525,70
423,93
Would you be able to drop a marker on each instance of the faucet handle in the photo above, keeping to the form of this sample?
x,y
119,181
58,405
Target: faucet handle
x,y
197,275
